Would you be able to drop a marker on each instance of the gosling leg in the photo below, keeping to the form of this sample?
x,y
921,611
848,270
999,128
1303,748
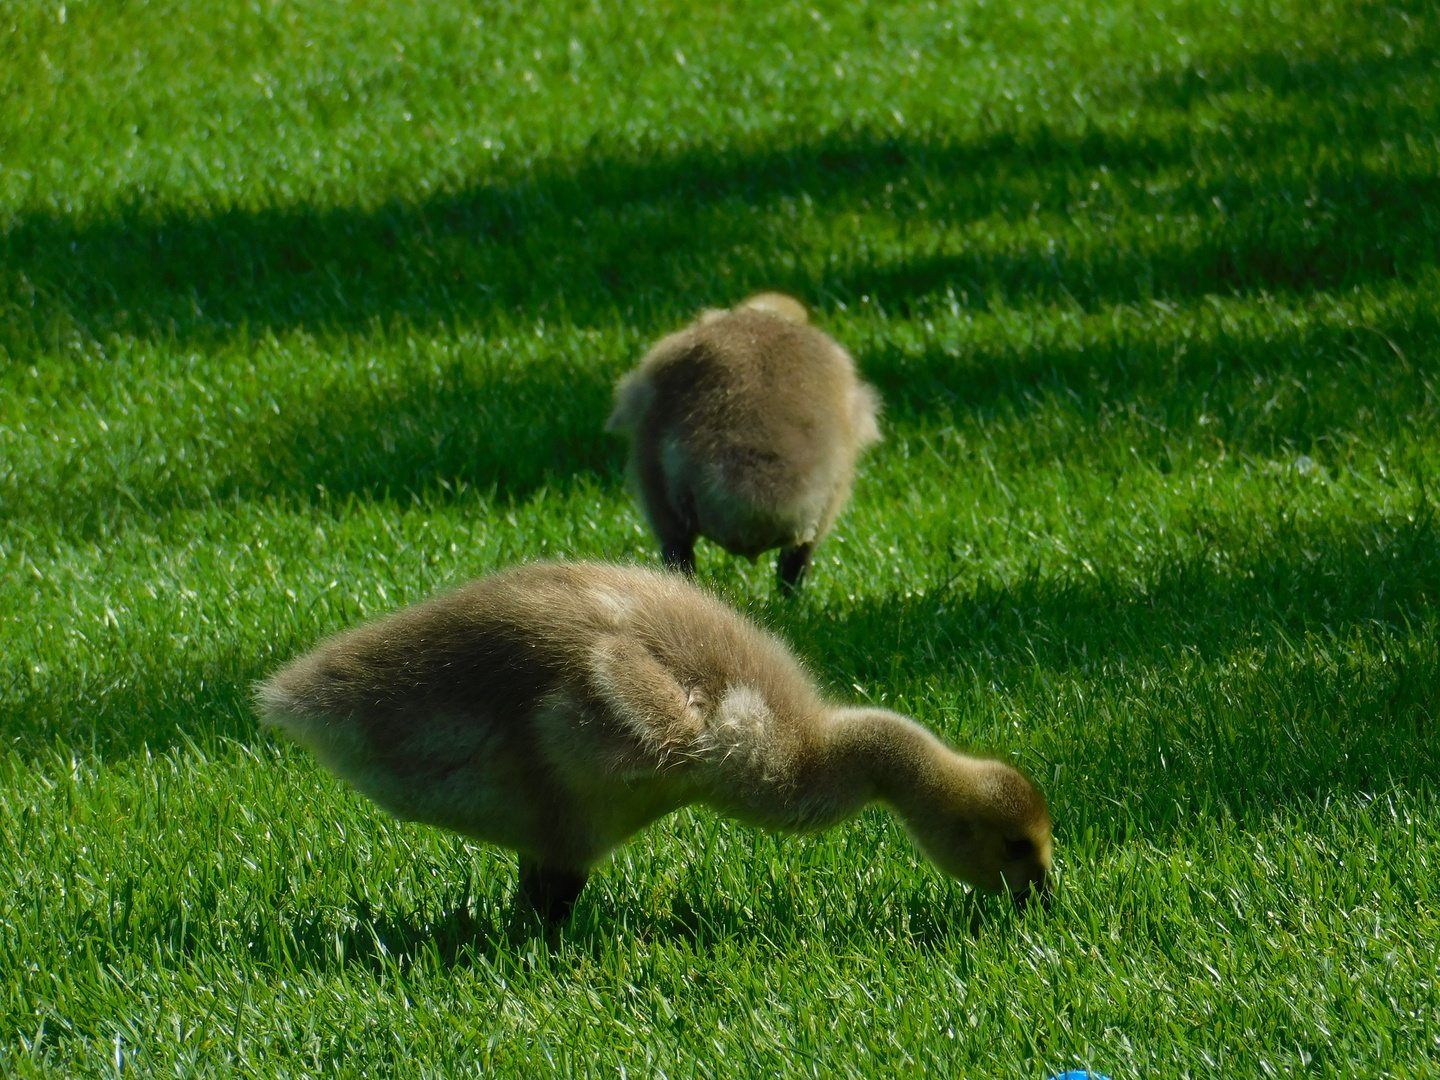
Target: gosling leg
x,y
791,567
680,555
549,891
674,526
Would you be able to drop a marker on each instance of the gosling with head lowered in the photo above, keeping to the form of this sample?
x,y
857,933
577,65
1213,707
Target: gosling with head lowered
x,y
558,708
744,428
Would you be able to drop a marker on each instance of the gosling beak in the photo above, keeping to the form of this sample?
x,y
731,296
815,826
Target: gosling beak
x,y
1041,890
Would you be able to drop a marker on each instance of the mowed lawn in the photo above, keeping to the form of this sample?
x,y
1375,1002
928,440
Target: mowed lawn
x,y
309,309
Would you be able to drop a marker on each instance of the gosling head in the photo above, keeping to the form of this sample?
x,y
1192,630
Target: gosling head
x,y
989,827
786,307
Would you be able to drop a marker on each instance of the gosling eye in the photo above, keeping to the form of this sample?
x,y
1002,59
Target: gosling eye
x,y
1019,849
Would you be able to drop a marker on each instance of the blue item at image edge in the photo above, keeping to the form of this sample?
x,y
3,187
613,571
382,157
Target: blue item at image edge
x,y
1079,1074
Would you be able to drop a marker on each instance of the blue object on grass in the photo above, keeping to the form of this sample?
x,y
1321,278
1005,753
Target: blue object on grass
x,y
1079,1074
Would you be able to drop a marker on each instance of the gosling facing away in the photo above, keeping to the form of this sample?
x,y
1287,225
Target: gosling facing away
x,y
558,708
744,428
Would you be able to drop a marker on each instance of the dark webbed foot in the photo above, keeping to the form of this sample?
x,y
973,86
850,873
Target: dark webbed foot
x,y
791,566
549,891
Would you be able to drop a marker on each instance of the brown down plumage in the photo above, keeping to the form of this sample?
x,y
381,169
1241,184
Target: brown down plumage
x,y
558,708
744,428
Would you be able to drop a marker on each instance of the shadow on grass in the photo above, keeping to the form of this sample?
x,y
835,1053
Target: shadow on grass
x,y
506,429
1264,584
1304,668
1300,76
457,936
1120,682
513,428
1258,243
483,930
143,700
512,431
1343,378
927,912
586,239
922,912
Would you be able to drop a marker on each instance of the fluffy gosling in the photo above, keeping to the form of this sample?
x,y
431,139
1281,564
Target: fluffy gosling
x,y
744,428
558,708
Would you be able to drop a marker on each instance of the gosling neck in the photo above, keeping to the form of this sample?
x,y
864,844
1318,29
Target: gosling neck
x,y
883,756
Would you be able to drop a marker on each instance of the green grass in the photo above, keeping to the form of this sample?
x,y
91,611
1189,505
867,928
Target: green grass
x,y
310,309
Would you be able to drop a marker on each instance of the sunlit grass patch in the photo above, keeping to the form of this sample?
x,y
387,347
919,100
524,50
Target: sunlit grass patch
x,y
309,310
